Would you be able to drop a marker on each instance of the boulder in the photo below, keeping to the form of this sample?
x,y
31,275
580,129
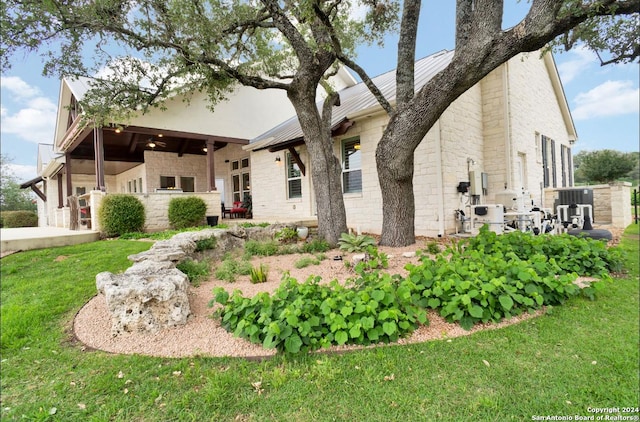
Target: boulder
x,y
145,301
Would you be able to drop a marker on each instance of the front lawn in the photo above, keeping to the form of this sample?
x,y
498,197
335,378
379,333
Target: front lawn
x,y
582,355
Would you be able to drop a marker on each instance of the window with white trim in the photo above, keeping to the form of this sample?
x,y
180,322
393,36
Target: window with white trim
x,y
294,178
351,166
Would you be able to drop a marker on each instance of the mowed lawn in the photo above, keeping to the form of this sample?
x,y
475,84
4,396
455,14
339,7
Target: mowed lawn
x,y
577,357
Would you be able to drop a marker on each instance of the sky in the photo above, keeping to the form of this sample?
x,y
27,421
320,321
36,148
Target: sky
x,y
604,101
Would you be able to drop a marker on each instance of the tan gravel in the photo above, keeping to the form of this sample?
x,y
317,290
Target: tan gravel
x,y
203,335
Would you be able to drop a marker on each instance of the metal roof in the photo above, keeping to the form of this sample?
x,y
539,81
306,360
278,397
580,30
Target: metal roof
x,y
355,99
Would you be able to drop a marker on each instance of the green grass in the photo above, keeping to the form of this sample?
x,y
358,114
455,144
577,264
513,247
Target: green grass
x,y
543,366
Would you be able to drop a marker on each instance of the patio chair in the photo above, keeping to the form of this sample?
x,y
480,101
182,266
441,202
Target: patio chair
x,y
238,210
225,211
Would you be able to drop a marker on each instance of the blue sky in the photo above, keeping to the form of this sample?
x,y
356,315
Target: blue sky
x,y
603,100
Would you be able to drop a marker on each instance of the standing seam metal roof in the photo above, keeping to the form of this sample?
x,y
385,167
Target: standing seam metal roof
x,y
354,99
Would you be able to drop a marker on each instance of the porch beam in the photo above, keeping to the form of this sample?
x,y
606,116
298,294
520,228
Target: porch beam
x,y
211,168
298,160
98,147
183,147
133,141
186,135
38,192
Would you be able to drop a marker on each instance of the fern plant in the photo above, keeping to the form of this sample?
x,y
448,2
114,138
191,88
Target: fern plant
x,y
355,243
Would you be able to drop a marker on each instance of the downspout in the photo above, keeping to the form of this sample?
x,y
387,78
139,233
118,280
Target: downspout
x,y
439,179
507,128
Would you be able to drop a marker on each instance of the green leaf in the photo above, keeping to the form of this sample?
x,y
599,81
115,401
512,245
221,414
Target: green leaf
x,y
434,303
292,344
378,295
389,327
341,337
476,311
530,288
372,334
354,332
506,302
346,310
221,295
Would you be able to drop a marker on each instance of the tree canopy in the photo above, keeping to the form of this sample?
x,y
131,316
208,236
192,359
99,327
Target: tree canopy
x,y
604,166
12,198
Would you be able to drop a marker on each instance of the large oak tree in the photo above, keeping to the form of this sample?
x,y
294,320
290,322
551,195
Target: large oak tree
x,y
152,49
481,45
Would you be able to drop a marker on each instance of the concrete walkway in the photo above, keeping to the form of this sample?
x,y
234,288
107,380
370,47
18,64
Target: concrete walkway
x,y
26,238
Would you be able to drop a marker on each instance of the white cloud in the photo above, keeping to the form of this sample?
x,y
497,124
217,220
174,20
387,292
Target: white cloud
x,y
35,120
18,87
21,172
608,99
581,58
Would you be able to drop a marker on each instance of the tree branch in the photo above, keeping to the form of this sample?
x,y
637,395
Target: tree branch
x,y
405,86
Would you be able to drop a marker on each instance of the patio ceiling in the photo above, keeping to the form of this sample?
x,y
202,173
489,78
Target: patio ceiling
x,y
127,144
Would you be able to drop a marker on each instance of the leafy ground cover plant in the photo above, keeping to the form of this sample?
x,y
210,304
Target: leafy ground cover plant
x,y
302,317
490,277
355,243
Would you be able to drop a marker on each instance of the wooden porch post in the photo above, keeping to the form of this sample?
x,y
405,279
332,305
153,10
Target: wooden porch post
x,y
67,168
60,196
98,147
211,169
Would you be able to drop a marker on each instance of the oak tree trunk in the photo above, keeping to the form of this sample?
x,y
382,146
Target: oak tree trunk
x,y
326,171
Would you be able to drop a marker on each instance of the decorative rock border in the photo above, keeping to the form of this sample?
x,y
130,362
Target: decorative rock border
x,y
153,294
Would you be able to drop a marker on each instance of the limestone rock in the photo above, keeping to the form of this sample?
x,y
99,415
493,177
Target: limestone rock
x,y
145,301
358,258
408,254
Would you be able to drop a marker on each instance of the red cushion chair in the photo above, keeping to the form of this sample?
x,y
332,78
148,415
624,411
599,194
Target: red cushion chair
x,y
238,210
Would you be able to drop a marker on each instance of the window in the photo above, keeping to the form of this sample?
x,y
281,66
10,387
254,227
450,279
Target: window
x,y
140,184
187,184
351,166
129,186
294,179
81,191
246,186
135,186
563,164
244,163
234,165
167,182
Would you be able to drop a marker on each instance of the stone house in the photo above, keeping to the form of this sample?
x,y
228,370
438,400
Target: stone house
x,y
510,133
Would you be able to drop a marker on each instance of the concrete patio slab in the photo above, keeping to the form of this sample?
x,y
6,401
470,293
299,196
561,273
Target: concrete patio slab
x,y
27,238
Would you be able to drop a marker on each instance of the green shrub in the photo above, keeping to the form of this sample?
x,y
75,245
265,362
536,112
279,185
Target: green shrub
x,y
355,243
195,271
305,261
121,213
205,244
255,248
186,212
12,219
315,245
433,248
286,235
230,269
259,274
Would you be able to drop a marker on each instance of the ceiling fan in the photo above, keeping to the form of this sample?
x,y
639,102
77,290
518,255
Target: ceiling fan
x,y
152,143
